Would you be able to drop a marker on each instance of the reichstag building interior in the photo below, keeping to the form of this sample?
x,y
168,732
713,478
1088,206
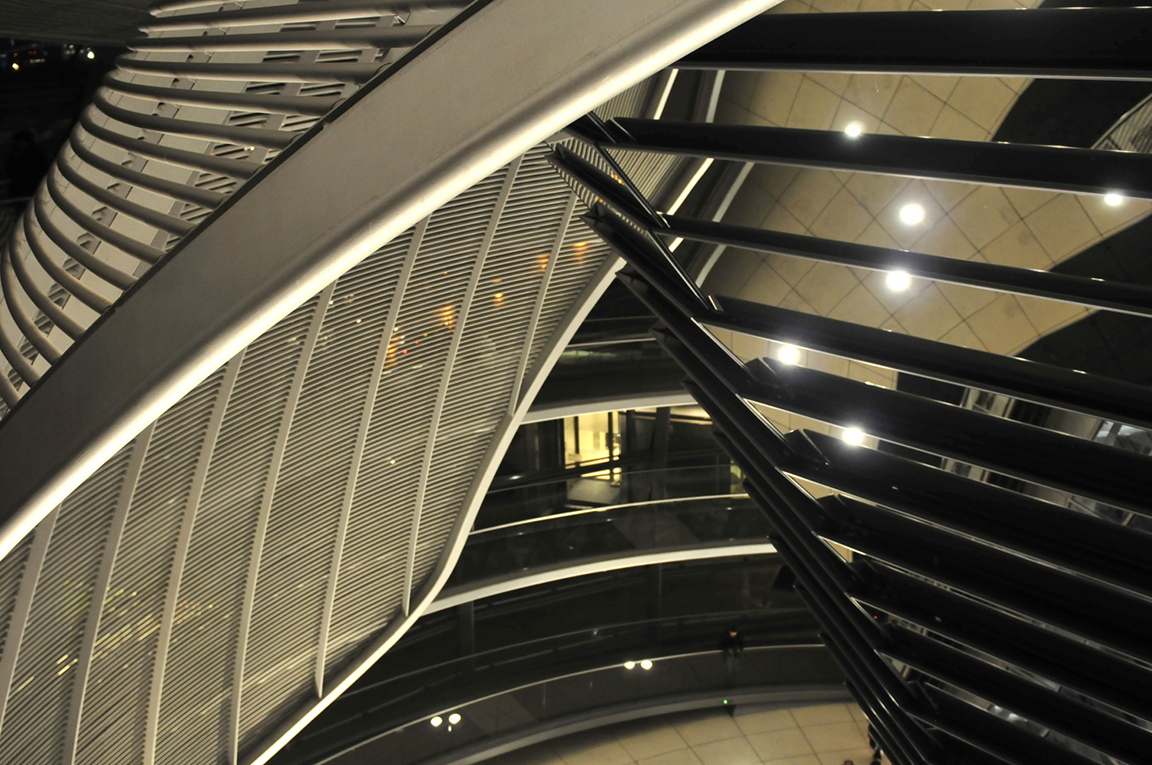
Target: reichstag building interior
x,y
575,382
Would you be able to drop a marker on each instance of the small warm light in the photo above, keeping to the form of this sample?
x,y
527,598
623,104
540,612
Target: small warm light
x,y
789,354
437,721
453,718
911,214
629,665
853,436
898,281
499,296
854,129
91,54
15,67
1113,199
358,321
645,664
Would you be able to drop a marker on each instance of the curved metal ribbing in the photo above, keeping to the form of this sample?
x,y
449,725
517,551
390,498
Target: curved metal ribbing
x,y
227,571
203,101
206,591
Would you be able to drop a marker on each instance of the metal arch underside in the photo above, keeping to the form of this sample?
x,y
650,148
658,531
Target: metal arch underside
x,y
207,466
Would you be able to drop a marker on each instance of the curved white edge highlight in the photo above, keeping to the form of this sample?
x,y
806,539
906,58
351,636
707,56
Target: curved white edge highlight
x,y
513,74
519,580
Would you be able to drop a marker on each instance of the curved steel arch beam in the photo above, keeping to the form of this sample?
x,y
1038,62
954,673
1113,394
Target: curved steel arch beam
x,y
510,75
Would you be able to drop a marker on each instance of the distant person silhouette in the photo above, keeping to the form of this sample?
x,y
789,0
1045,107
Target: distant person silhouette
x,y
27,164
732,645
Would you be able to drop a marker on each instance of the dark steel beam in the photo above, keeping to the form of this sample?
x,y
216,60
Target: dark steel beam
x,y
1083,171
1061,712
1078,466
1093,395
1048,595
999,738
1082,43
753,444
1103,550
756,447
1115,296
1048,653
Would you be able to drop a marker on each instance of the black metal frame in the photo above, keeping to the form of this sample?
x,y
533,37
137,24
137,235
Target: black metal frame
x,y
960,599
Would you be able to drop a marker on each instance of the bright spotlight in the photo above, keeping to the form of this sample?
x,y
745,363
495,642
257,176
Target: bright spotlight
x,y
453,718
898,281
789,354
645,664
1113,199
437,721
854,129
853,436
90,54
629,665
911,214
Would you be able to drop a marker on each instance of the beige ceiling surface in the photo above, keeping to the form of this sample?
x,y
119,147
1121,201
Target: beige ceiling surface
x,y
818,735
1013,227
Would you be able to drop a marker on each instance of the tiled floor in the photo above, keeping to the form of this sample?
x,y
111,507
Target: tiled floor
x,y
1022,228
818,735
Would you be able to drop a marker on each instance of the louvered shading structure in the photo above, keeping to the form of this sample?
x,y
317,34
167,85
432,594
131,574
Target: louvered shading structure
x,y
983,581
306,322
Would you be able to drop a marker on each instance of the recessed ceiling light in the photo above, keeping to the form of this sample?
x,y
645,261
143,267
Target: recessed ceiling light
x,y
1113,199
853,436
854,129
898,281
453,718
629,665
645,664
911,214
789,354
437,721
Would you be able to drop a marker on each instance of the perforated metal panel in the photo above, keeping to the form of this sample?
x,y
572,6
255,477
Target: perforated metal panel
x,y
308,488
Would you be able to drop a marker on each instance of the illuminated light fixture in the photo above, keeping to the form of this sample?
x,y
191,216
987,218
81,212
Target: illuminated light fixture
x,y
1113,199
437,721
646,664
91,54
898,281
854,129
853,436
911,214
15,67
629,665
789,354
453,718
